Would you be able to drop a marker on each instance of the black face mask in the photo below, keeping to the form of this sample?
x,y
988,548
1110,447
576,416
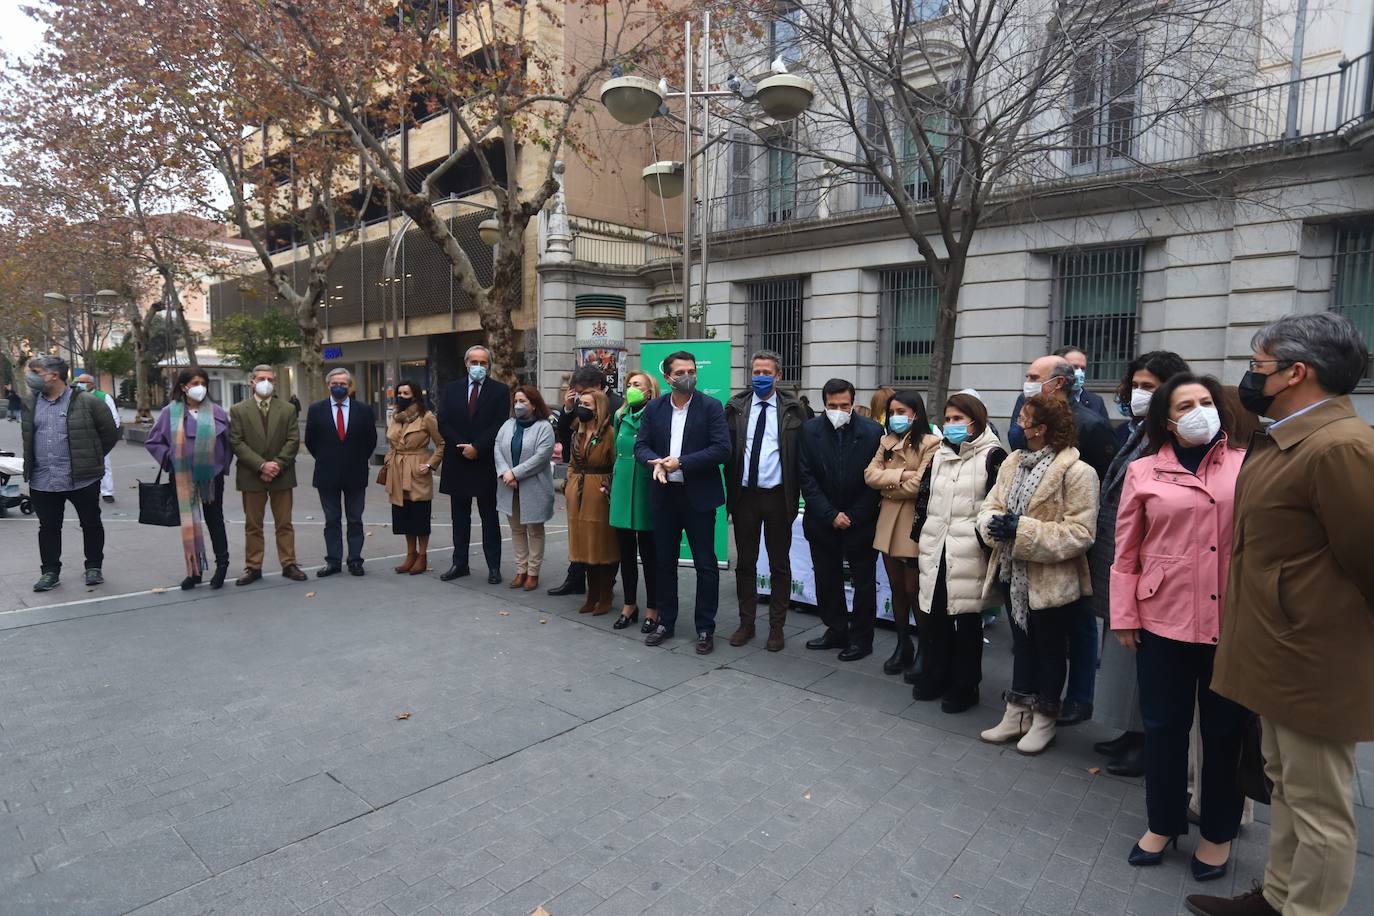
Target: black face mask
x,y
403,403
584,413
1252,396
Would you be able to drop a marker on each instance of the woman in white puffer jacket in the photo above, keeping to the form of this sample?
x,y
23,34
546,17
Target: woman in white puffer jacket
x,y
953,560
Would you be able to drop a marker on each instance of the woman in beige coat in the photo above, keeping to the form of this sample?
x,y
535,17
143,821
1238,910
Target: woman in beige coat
x,y
408,473
895,472
591,539
1041,518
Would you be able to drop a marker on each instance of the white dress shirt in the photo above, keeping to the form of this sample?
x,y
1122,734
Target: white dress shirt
x,y
1299,413
675,443
770,464
334,406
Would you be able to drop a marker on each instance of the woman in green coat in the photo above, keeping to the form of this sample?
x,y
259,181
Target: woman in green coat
x,y
630,514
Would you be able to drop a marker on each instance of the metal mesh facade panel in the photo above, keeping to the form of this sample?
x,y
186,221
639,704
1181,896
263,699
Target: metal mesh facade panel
x,y
775,322
907,303
1353,286
1097,307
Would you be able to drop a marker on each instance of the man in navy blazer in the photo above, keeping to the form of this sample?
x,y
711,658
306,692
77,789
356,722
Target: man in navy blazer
x,y
341,434
475,408
684,441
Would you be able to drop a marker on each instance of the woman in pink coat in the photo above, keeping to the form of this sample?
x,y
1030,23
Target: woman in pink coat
x,y
1168,586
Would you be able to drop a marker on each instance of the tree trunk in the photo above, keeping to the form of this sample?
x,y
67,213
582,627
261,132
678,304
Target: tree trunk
x,y
311,383
142,401
173,299
505,297
946,319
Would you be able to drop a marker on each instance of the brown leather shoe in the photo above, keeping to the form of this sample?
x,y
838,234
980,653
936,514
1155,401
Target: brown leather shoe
x,y
518,581
249,577
294,573
705,644
1250,903
742,635
531,583
775,641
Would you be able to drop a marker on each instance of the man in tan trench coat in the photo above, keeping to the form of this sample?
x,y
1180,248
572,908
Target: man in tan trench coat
x,y
1297,635
265,437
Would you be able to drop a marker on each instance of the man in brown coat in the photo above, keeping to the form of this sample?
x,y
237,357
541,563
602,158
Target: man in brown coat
x,y
1297,635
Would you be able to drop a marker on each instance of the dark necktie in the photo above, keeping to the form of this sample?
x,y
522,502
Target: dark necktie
x,y
339,421
472,398
759,428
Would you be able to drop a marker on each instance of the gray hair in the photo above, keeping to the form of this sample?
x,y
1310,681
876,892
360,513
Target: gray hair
x,y
1062,369
262,368
1328,343
467,354
338,370
768,354
50,364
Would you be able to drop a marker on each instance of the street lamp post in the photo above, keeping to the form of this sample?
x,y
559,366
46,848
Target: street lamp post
x,y
634,100
103,297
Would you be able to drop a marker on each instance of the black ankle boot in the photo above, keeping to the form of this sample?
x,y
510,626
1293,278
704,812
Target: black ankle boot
x,y
189,583
901,656
916,670
221,569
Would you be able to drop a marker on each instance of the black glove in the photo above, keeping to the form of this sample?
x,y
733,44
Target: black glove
x,y
1003,527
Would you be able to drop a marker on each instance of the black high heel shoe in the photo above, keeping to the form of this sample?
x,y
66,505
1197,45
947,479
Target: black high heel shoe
x,y
622,621
1140,858
189,583
1204,872
901,656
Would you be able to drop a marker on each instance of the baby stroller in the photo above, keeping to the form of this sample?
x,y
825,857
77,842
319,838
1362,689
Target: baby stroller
x,y
10,495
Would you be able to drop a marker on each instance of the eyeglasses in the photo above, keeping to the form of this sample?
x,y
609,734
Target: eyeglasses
x,y
1256,363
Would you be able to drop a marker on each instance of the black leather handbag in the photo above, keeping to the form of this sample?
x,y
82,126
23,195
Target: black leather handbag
x,y
157,503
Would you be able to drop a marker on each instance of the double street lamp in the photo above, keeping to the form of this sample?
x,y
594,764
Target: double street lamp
x,y
634,100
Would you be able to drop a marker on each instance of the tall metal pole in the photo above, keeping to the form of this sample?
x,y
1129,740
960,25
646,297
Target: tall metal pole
x,y
706,186
688,329
71,339
1295,70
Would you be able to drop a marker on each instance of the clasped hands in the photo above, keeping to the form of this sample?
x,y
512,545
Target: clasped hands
x,y
1003,527
665,466
269,471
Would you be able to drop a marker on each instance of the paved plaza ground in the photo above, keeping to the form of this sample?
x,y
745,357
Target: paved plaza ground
x,y
395,745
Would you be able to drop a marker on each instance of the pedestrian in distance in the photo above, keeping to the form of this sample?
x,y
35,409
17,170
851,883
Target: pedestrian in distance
x,y
1168,588
266,437
684,441
631,513
591,541
895,471
67,434
191,440
524,493
341,433
840,519
474,409
583,380
761,487
1297,635
87,383
1117,700
15,405
408,473
1040,517
952,560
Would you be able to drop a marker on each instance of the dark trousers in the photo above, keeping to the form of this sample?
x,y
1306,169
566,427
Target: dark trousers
x,y
830,550
577,574
462,527
635,545
1040,657
213,513
352,507
953,646
673,517
767,509
1084,640
50,506
1173,676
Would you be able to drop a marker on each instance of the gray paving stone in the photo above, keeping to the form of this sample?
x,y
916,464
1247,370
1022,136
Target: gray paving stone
x,y
515,727
387,775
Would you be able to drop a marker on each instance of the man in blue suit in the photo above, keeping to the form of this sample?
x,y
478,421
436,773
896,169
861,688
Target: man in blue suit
x,y
684,441
341,434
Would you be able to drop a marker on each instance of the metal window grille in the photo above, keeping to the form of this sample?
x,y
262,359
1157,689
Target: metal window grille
x,y
907,302
1097,307
1353,289
1103,100
775,321
741,212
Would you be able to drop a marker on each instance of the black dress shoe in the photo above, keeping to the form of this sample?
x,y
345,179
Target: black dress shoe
x,y
854,653
957,701
355,569
1204,872
1119,745
624,620
1142,859
828,640
493,578
648,625
1074,712
1130,764
332,570
455,572
569,587
658,637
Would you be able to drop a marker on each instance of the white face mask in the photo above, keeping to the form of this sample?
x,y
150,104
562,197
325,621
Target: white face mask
x,y
263,388
1198,426
837,418
1032,389
1140,402
196,393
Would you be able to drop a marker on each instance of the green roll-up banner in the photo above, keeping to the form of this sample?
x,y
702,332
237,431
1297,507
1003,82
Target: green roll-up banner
x,y
713,380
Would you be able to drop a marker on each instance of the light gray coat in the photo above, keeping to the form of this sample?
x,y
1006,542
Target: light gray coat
x,y
534,472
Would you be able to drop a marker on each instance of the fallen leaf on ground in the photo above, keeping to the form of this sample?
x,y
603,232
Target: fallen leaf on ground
x,y
541,912
310,594
504,613
369,534
956,896
402,715
159,590
1094,770
807,796
543,620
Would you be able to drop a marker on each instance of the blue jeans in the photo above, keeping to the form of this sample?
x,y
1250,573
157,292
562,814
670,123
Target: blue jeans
x,y
1084,640
673,517
334,515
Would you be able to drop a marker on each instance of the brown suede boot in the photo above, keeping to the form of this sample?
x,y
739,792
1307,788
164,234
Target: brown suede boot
x,y
602,577
745,631
775,640
409,561
421,564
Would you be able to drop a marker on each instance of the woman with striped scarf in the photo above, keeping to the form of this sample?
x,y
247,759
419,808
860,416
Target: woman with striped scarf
x,y
191,440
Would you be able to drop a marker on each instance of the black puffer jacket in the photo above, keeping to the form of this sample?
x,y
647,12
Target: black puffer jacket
x,y
91,433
